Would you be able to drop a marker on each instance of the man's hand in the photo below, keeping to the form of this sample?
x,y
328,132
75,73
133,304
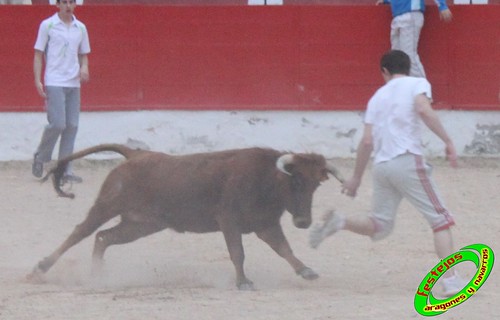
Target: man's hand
x,y
350,187
446,15
39,89
451,155
84,74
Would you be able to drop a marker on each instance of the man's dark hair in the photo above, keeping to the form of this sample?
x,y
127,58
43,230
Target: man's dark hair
x,y
396,62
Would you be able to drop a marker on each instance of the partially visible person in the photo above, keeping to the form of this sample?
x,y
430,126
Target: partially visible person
x,y
407,22
63,43
15,1
78,2
265,2
392,132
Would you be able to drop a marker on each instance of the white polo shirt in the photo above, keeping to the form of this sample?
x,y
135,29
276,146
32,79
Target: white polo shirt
x,y
62,45
396,124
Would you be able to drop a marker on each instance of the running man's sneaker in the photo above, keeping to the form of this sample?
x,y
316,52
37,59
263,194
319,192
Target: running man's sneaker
x,y
452,285
333,222
37,167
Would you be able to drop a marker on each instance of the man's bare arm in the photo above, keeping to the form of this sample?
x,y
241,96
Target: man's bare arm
x,y
430,117
37,72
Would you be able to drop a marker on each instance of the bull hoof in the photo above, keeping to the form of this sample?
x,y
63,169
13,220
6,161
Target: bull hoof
x,y
308,274
246,286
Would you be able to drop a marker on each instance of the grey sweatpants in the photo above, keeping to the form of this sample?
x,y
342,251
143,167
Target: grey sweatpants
x,y
405,34
63,112
407,176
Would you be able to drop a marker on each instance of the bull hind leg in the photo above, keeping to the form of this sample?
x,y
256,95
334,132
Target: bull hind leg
x,y
124,232
93,221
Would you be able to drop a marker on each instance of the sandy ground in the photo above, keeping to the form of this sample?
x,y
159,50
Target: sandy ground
x,y
189,276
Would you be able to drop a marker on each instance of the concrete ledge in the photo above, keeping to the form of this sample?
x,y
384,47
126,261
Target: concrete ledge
x,y
334,134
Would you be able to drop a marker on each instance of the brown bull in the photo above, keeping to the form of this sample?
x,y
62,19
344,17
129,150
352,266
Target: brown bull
x,y
236,192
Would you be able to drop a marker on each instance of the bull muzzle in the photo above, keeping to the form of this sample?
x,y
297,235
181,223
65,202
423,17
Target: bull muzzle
x,y
302,222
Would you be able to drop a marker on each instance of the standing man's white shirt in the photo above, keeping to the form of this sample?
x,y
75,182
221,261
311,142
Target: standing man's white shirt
x,y
62,44
395,122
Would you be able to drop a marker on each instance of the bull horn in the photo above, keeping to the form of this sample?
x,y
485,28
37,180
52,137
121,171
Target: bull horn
x,y
334,171
283,161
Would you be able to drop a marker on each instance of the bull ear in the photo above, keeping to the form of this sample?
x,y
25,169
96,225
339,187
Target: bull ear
x,y
283,162
324,175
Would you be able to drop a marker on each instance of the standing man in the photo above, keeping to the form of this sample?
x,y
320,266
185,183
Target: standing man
x,y
392,130
407,22
63,43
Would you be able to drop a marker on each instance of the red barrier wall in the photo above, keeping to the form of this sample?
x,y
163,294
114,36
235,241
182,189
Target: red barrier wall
x,y
253,57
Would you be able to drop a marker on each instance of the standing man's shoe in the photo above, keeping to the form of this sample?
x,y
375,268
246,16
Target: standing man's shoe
x,y
37,167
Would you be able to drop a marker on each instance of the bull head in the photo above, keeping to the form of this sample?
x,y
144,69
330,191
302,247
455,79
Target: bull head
x,y
305,176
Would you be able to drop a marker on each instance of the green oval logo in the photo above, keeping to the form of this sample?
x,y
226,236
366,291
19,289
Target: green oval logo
x,y
481,255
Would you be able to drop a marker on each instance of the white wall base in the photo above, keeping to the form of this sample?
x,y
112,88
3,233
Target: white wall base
x,y
333,134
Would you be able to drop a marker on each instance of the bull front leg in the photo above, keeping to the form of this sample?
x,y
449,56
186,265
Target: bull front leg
x,y
276,239
234,244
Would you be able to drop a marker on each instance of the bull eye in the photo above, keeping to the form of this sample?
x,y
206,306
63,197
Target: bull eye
x,y
297,183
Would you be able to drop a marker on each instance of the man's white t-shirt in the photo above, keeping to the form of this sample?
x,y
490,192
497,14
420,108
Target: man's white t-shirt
x,y
62,45
396,124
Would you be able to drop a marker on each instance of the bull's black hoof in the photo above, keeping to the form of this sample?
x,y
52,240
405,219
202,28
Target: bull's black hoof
x,y
308,274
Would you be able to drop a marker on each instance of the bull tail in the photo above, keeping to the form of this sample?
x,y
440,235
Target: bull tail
x,y
58,171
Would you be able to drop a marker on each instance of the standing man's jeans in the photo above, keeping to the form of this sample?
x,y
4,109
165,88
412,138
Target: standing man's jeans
x,y
405,33
63,112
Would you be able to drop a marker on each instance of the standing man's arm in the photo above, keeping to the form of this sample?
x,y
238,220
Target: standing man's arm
x,y
83,52
363,154
37,71
444,12
84,68
431,120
